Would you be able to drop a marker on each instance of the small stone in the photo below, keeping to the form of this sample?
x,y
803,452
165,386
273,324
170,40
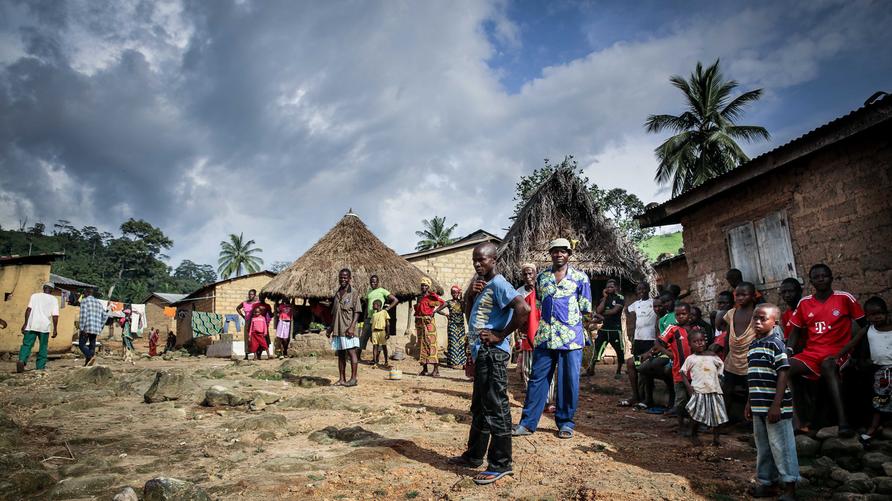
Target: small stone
x,y
828,432
840,475
127,494
841,446
887,469
851,463
172,489
256,405
808,471
169,385
857,482
807,446
219,396
267,397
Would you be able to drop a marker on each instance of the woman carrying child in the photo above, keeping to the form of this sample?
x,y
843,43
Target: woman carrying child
x,y
701,371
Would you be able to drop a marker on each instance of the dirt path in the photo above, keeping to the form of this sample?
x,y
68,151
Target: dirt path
x,y
383,439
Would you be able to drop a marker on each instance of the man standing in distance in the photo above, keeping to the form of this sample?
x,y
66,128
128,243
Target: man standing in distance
x,y
375,293
496,311
91,321
564,295
42,311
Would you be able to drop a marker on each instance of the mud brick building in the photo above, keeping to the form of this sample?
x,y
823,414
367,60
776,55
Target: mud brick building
x,y
825,197
672,270
155,304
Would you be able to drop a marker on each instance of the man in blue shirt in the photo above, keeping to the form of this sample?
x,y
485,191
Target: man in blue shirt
x,y
496,310
565,297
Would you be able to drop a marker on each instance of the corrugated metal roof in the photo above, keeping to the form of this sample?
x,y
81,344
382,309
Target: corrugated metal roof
x,y
60,280
656,215
169,297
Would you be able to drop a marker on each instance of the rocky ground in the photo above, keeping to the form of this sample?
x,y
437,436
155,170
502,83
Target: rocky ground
x,y
275,429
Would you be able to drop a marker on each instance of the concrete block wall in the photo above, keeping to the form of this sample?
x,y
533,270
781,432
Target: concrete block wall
x,y
839,208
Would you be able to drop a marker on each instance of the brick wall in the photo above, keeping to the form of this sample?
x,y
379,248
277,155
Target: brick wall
x,y
839,208
674,271
155,316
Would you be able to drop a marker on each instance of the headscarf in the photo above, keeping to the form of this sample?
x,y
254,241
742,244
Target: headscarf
x,y
455,288
529,265
426,281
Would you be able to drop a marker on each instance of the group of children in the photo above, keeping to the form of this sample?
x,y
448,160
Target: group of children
x,y
769,354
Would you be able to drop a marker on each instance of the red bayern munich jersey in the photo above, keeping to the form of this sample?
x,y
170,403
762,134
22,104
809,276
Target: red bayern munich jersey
x,y
829,323
786,322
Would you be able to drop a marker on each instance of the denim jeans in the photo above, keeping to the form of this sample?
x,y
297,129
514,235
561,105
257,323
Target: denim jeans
x,y
28,345
87,344
237,319
490,411
776,459
563,365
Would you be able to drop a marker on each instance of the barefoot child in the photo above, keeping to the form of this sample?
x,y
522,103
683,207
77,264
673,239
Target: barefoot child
x,y
879,338
701,373
258,332
380,326
770,407
674,344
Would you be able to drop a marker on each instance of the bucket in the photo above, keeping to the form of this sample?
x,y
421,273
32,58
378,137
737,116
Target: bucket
x,y
395,375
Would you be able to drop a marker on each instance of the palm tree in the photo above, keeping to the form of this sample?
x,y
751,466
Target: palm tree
x,y
704,145
237,257
435,234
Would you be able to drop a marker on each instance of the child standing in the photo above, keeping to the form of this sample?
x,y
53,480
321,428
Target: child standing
x,y
879,338
770,407
284,312
258,333
674,344
380,327
701,373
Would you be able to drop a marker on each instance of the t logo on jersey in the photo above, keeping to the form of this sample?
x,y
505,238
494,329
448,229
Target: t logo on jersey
x,y
820,327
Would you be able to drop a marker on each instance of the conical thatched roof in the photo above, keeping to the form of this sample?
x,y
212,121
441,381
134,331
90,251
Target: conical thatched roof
x,y
351,245
563,207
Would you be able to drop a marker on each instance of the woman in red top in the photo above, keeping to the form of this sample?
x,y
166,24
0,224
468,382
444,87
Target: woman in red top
x,y
426,328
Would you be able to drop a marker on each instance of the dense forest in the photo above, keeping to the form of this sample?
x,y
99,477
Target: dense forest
x,y
126,267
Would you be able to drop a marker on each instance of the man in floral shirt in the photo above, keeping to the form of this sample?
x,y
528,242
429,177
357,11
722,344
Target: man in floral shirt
x,y
564,297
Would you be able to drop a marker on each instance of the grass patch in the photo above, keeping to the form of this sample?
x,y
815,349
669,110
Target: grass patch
x,y
658,244
411,494
267,375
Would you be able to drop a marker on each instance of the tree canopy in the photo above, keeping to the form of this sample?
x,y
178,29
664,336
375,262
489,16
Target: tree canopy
x,y
130,266
704,144
435,234
238,256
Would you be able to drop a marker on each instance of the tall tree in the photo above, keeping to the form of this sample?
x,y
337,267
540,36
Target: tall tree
x,y
704,144
195,274
237,256
435,234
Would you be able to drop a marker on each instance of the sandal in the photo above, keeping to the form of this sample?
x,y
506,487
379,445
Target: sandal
x,y
640,406
488,477
625,403
352,382
565,433
656,410
520,431
340,383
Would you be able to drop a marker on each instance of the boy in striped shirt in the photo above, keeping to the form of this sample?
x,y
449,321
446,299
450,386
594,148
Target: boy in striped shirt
x,y
770,407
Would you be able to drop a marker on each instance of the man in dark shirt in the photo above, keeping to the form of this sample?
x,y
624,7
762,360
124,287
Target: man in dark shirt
x,y
611,308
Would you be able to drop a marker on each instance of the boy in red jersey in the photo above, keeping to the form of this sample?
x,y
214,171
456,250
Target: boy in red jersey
x,y
826,317
674,344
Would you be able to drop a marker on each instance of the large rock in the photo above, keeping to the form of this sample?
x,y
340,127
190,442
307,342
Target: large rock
x,y
170,385
807,446
83,487
835,447
127,494
828,432
267,397
264,422
97,375
840,475
217,396
309,344
883,484
887,468
875,460
172,489
24,481
857,482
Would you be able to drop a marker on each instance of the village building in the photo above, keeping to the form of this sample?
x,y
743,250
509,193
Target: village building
x,y
350,244
825,197
672,270
155,307
221,298
21,276
449,265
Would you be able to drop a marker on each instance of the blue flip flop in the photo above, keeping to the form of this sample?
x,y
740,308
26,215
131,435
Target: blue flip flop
x,y
656,410
496,475
520,431
566,432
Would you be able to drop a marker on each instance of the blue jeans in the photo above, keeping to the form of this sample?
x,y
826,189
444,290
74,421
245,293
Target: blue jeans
x,y
776,459
237,319
566,398
87,344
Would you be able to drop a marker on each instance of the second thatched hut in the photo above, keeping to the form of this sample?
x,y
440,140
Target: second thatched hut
x,y
563,207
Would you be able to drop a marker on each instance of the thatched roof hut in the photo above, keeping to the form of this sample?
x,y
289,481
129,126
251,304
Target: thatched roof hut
x,y
351,245
563,207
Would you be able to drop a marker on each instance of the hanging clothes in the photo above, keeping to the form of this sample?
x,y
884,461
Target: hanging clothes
x,y
115,306
140,321
170,311
206,324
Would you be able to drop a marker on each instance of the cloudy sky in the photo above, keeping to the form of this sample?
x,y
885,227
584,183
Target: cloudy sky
x,y
273,118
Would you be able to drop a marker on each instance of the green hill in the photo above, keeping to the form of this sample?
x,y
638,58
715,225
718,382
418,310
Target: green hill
x,y
658,244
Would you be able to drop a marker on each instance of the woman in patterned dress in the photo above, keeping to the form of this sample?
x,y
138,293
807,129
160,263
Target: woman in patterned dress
x,y
456,350
426,328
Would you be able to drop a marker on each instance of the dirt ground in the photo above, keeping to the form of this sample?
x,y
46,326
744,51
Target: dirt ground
x,y
382,439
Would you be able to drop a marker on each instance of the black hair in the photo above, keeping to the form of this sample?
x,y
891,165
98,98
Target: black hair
x,y
377,301
682,304
611,281
645,284
735,273
349,273
726,294
748,285
819,266
253,290
697,309
374,276
792,281
667,295
878,303
674,290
